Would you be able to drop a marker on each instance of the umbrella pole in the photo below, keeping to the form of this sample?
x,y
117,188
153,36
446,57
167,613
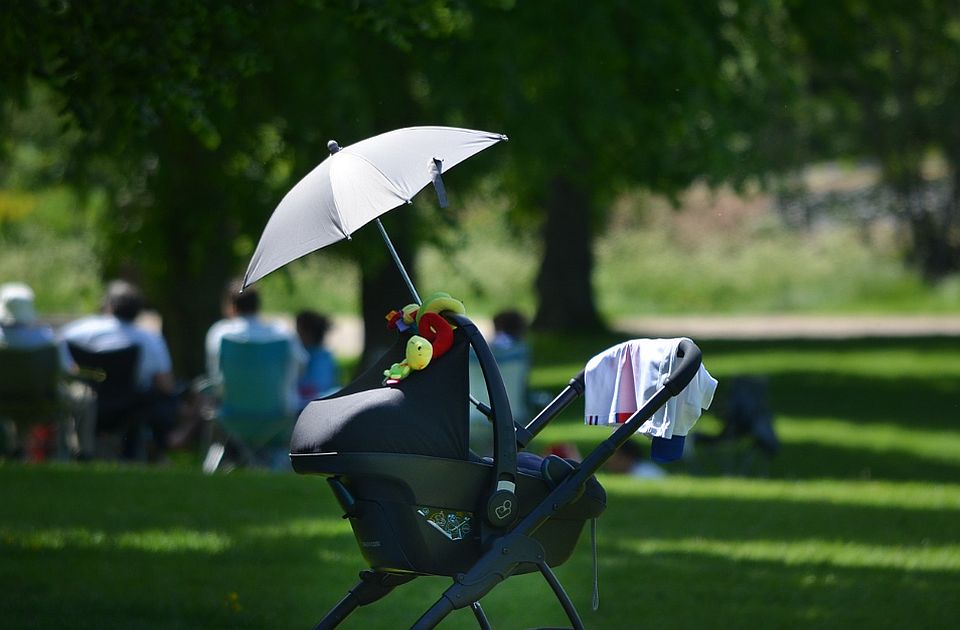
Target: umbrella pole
x,y
396,259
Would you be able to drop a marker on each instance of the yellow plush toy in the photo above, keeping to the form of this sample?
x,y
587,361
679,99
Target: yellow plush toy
x,y
419,353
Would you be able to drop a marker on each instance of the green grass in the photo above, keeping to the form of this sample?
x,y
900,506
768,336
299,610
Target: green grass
x,y
857,523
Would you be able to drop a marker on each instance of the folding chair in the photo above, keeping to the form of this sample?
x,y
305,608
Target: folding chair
x,y
748,442
120,405
29,390
252,417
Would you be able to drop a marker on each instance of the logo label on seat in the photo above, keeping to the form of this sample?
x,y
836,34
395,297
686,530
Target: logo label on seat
x,y
455,525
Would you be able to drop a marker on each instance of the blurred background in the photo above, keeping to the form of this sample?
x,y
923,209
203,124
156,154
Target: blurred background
x,y
723,158
779,180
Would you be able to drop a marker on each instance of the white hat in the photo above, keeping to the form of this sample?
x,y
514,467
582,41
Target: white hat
x,y
16,304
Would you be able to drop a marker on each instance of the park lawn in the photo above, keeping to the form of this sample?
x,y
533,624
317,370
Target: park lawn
x,y
856,525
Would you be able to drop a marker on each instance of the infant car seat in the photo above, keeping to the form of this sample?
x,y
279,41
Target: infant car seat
x,y
420,503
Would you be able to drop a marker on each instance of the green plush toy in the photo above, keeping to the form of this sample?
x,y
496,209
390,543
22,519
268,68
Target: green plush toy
x,y
418,355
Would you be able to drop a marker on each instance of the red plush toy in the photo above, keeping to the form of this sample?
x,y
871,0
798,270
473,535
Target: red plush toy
x,y
437,331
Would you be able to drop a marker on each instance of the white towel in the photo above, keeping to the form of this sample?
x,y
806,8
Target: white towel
x,y
622,378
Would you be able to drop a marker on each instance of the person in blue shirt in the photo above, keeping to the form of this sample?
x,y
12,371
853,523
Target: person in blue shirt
x,y
319,376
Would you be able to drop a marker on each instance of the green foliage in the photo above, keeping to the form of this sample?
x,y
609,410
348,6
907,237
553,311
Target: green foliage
x,y
46,242
704,261
879,83
194,117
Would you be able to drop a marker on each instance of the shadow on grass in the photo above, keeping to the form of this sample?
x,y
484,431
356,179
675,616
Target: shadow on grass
x,y
913,402
744,519
809,460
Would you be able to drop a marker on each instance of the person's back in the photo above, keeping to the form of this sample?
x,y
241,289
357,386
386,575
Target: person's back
x,y
319,376
241,323
116,329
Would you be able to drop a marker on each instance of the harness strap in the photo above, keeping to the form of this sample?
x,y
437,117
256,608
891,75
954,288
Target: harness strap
x,y
596,571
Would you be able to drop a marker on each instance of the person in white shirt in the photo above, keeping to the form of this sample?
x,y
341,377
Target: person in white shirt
x,y
242,322
114,329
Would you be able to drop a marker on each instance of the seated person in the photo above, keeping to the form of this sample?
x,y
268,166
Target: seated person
x,y
18,319
319,376
19,330
629,460
242,322
115,329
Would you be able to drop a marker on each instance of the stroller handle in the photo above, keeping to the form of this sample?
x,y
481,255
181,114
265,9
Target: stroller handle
x,y
690,359
683,372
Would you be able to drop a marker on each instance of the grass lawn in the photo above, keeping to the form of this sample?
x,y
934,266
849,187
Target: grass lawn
x,y
857,523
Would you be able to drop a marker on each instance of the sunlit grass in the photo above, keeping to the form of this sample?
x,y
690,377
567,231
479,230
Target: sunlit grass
x,y
881,438
303,528
880,363
822,553
177,540
901,495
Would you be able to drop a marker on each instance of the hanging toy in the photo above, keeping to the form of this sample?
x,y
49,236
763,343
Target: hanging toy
x,y
435,336
404,319
418,355
437,331
432,326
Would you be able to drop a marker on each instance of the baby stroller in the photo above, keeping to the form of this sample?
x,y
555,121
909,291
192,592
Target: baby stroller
x,y
396,457
420,503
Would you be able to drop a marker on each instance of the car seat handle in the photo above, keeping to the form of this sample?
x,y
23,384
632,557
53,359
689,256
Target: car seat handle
x,y
502,503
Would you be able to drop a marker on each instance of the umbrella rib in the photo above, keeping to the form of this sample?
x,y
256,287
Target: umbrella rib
x,y
379,170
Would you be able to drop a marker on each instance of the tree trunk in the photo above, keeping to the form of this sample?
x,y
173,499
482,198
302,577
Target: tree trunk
x,y
935,230
564,285
188,236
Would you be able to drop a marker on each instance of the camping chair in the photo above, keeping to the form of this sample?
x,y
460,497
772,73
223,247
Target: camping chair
x,y
252,418
29,390
747,441
111,374
397,461
514,366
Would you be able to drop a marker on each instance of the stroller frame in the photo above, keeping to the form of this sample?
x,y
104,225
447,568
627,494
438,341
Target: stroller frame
x,y
510,545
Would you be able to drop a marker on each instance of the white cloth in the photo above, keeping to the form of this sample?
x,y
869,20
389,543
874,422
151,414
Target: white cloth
x,y
251,328
103,333
622,378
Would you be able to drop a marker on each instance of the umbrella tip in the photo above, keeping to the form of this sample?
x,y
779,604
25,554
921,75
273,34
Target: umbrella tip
x,y
333,147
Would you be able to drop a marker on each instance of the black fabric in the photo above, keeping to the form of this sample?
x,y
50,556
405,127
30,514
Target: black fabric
x,y
424,414
119,403
29,380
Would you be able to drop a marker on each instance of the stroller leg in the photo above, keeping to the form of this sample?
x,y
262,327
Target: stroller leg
x,y
371,587
496,565
481,616
561,594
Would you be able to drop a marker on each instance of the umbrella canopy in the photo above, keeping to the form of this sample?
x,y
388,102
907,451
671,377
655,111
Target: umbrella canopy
x,y
357,184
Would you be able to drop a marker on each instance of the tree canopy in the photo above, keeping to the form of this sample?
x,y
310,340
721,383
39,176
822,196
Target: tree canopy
x,y
196,116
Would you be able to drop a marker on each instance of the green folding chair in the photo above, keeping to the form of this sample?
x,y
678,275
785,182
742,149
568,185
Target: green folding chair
x,y
251,421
